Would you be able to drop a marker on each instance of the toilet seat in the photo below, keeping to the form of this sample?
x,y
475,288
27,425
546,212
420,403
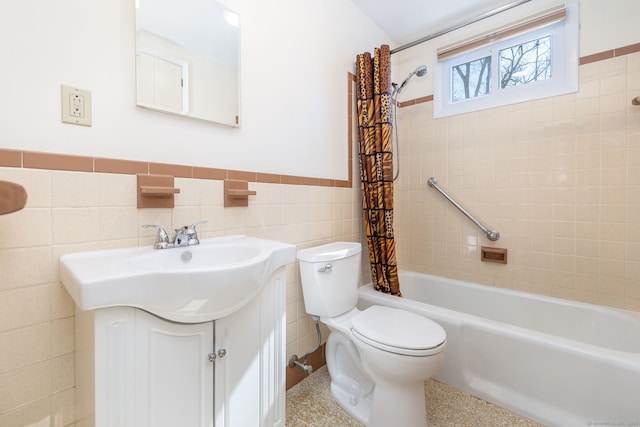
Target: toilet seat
x,y
398,331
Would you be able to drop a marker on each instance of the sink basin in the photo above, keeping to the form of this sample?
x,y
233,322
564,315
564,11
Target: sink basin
x,y
193,284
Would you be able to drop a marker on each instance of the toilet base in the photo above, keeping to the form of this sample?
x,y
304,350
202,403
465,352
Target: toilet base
x,y
386,406
398,406
358,408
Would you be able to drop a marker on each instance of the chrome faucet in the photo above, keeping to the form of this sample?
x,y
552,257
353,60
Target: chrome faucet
x,y
185,236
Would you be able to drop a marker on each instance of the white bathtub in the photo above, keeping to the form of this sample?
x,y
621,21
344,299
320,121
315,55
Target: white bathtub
x,y
558,362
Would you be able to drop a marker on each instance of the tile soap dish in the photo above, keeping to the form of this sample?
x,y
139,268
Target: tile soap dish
x,y
236,193
156,191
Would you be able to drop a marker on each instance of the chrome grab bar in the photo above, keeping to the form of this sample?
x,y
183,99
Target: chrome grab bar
x,y
492,235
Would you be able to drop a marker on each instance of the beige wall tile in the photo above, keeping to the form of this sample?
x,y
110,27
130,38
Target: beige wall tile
x,y
33,414
211,192
60,302
24,307
118,223
62,336
22,267
63,408
25,385
614,66
62,372
75,225
189,192
117,190
25,346
13,226
215,217
74,189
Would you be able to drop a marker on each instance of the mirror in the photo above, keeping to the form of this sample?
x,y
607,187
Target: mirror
x,y
188,59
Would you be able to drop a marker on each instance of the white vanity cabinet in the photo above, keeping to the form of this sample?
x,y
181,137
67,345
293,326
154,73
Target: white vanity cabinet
x,y
138,370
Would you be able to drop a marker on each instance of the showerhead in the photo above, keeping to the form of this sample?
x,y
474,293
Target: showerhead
x,y
420,71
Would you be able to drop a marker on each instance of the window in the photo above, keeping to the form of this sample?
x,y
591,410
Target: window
x,y
525,63
471,79
532,59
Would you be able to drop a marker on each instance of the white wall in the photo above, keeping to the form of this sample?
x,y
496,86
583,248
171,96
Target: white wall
x,y
604,25
295,55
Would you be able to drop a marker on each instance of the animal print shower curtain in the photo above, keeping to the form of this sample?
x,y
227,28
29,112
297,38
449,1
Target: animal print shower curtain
x,y
373,94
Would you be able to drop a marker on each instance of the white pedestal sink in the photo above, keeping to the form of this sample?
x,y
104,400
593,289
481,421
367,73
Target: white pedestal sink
x,y
190,285
189,336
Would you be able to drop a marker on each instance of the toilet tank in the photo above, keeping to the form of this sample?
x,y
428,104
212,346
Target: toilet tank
x,y
330,277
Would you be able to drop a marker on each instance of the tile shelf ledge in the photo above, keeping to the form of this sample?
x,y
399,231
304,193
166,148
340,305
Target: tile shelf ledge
x,y
240,194
150,191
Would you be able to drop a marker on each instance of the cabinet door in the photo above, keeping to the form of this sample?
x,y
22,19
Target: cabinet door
x,y
114,354
174,377
249,379
237,376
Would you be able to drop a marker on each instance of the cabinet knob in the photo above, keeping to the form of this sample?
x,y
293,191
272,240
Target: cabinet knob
x,y
221,353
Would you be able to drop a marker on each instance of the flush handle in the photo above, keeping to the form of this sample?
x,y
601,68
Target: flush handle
x,y
328,268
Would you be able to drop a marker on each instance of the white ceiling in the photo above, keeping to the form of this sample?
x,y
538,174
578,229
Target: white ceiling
x,y
408,20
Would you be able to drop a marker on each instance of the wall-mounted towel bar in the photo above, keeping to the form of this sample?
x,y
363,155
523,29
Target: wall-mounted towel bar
x,y
492,235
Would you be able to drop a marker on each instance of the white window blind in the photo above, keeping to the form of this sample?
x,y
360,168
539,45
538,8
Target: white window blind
x,y
534,22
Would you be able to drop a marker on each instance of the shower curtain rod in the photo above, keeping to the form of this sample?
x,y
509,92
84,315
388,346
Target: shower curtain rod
x,y
458,26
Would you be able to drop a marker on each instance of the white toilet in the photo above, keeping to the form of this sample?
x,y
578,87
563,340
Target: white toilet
x,y
378,358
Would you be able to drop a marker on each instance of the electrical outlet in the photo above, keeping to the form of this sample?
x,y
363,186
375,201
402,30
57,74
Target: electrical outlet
x,y
76,106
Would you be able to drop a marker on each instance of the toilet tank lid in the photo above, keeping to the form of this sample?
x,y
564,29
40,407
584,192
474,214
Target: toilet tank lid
x,y
330,252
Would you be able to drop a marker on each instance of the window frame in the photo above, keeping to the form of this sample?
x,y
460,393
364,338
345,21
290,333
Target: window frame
x,y
564,69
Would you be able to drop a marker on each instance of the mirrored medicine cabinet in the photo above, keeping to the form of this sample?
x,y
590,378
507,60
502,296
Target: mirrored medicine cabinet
x,y
188,59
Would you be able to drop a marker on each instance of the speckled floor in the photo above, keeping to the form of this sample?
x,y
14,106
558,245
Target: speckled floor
x,y
309,403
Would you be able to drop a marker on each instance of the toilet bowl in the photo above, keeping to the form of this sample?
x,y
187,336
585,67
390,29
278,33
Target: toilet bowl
x,y
378,358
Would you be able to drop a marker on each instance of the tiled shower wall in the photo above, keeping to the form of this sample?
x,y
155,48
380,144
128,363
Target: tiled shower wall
x,y
559,178
79,211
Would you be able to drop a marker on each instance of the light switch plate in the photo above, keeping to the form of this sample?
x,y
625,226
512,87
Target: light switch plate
x,y
76,106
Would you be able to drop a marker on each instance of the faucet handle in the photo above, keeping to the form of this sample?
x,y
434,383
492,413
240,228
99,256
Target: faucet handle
x,y
192,233
162,238
192,228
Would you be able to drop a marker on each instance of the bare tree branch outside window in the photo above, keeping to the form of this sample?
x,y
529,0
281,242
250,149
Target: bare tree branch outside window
x,y
525,63
471,79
